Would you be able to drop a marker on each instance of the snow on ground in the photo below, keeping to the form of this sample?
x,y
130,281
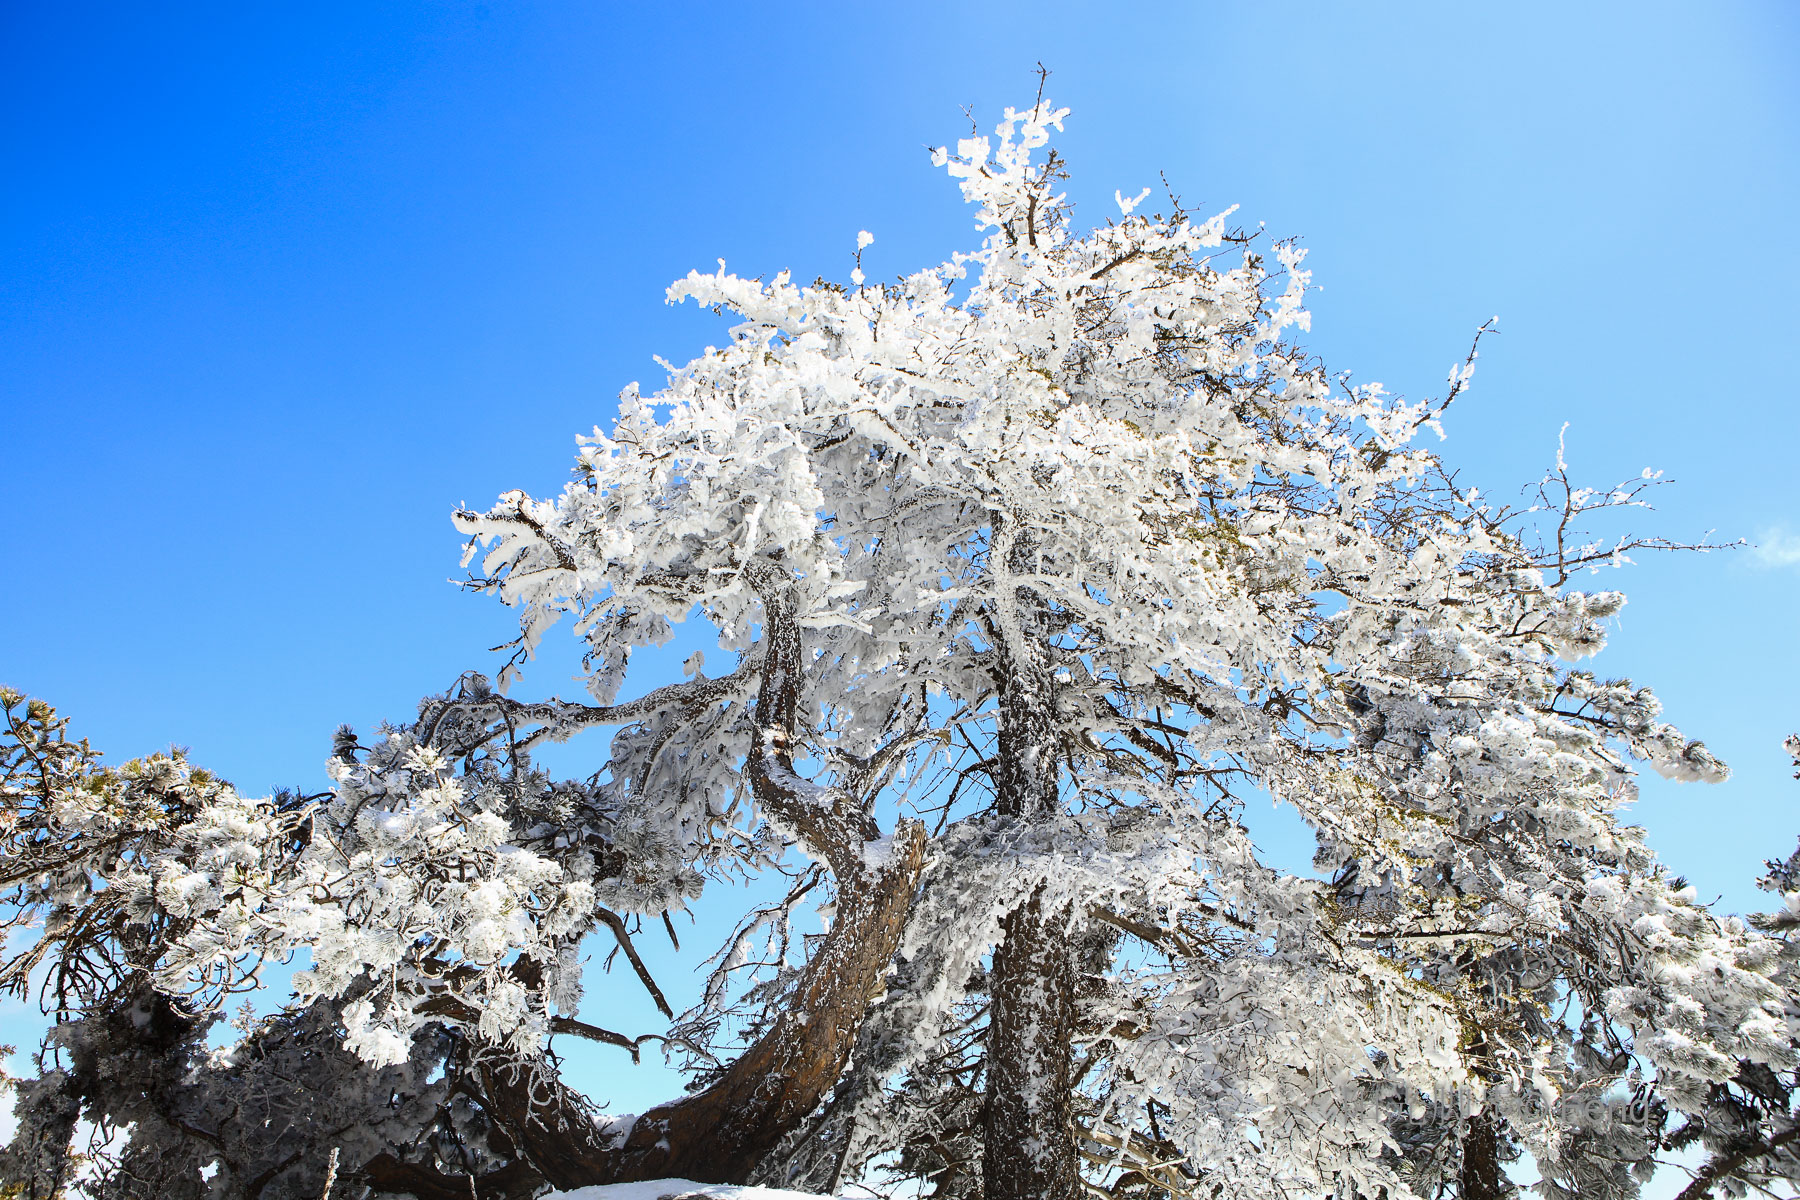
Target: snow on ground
x,y
677,1189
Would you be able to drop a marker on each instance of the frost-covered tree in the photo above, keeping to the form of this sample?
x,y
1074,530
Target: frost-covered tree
x,y
126,1072
1749,1123
1030,570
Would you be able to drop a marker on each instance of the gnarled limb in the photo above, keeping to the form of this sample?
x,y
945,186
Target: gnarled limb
x,y
718,1135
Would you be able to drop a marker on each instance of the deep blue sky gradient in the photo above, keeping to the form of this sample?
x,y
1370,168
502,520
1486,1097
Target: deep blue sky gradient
x,y
282,285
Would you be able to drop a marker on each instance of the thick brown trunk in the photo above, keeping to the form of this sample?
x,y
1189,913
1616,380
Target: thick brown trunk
x,y
718,1135
1028,1137
1029,1148
1481,1177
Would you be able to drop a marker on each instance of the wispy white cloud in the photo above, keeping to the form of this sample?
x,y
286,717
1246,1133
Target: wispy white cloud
x,y
1777,547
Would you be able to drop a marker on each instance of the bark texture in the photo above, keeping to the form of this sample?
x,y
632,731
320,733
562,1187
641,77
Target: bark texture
x,y
1029,1150
1481,1177
782,1078
718,1135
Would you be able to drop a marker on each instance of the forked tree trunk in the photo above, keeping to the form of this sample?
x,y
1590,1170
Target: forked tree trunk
x,y
1028,1150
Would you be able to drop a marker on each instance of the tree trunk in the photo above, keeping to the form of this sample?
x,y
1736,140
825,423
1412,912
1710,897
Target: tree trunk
x,y
1481,1177
1029,1150
1029,1144
720,1134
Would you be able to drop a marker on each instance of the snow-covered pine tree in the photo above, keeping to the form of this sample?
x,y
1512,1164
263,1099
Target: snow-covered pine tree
x,y
1033,569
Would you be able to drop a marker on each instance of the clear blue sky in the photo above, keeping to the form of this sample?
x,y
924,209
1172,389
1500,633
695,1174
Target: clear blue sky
x,y
282,285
